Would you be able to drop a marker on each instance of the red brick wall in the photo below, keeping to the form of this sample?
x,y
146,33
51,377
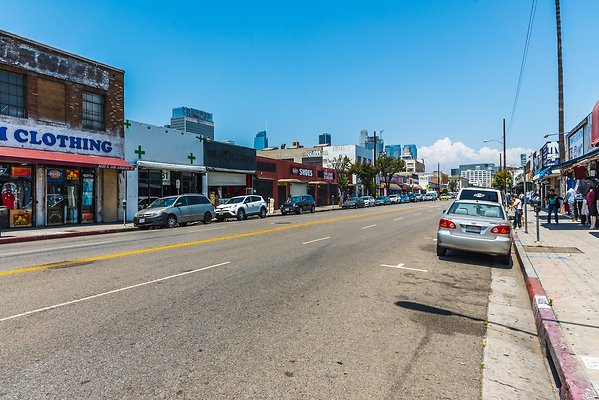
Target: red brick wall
x,y
36,60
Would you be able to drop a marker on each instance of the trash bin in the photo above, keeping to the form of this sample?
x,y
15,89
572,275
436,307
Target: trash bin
x,y
4,217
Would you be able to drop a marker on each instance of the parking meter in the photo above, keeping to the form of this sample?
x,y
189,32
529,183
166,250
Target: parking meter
x,y
124,204
124,212
536,203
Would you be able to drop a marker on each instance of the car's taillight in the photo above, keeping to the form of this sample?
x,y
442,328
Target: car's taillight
x,y
445,223
502,229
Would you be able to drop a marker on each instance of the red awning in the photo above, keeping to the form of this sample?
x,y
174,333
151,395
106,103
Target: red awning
x,y
57,158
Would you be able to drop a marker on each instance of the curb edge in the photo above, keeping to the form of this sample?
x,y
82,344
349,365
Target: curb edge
x,y
574,385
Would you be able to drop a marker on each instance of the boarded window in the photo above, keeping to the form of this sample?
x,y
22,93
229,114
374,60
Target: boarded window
x,y
51,100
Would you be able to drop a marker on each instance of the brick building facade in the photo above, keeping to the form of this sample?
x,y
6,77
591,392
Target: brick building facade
x,y
61,135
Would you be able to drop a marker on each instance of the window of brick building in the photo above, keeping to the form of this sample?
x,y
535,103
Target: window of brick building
x,y
12,94
51,100
93,111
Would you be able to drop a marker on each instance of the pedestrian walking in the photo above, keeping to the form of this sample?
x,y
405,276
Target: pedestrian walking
x,y
517,207
591,198
552,201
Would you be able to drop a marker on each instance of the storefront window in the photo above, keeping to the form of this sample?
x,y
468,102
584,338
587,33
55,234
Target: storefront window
x,y
16,184
87,196
55,196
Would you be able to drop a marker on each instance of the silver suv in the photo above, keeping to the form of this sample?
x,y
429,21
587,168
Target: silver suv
x,y
175,210
241,207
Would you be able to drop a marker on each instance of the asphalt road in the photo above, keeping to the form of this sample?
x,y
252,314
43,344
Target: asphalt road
x,y
296,307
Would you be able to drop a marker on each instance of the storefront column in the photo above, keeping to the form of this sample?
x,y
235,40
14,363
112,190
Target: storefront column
x,y
122,195
40,195
99,196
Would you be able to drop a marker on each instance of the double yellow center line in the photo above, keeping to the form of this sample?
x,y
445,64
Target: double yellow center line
x,y
187,244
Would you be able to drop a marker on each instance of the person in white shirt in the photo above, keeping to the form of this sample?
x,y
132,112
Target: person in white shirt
x,y
517,207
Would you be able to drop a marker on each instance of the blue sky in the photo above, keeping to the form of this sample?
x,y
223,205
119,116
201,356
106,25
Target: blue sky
x,y
439,73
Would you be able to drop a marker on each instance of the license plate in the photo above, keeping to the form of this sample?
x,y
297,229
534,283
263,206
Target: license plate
x,y
473,229
142,220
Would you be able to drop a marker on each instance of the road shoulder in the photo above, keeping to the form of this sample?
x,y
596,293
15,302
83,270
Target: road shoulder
x,y
514,365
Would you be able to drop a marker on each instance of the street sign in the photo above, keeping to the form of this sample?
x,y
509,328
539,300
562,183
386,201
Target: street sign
x,y
522,159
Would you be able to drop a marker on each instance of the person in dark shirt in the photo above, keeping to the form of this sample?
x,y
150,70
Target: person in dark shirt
x,y
552,201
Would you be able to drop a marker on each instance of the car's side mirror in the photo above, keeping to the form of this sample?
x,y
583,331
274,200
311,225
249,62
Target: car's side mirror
x,y
178,204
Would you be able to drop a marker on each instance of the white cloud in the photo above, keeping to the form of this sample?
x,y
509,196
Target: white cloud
x,y
451,155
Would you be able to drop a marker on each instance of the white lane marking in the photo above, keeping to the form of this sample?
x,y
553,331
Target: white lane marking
x,y
401,266
418,214
110,292
369,226
317,240
74,246
398,219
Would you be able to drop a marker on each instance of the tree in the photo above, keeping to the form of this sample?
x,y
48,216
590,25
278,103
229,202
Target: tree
x,y
502,180
343,167
366,173
389,166
452,186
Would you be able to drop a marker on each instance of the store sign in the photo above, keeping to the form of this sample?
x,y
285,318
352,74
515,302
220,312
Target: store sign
x,y
595,126
51,138
302,171
328,175
55,175
576,144
20,172
72,174
313,153
166,177
550,154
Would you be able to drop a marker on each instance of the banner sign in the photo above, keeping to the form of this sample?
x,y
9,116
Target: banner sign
x,y
34,136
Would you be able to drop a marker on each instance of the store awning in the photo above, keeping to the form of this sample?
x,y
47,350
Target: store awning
x,y
317,183
170,167
58,158
289,181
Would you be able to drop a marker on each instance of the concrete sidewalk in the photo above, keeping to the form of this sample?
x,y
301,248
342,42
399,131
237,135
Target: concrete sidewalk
x,y
43,233
562,276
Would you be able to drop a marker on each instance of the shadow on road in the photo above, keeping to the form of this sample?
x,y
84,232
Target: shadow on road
x,y
483,260
410,305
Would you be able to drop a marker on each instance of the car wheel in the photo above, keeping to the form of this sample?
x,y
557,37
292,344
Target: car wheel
x,y
441,251
240,214
262,212
171,221
312,209
283,213
207,218
300,210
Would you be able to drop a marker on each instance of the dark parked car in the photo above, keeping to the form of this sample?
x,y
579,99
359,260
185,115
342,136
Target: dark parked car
x,y
298,204
412,197
175,210
382,201
354,202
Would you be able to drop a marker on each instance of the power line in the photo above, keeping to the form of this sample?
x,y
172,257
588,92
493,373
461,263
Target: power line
x,y
531,20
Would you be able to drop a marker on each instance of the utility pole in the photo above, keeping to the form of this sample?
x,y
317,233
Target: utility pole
x,y
374,164
504,160
438,181
560,83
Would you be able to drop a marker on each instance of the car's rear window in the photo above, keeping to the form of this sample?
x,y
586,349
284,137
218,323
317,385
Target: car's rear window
x,y
482,195
476,210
